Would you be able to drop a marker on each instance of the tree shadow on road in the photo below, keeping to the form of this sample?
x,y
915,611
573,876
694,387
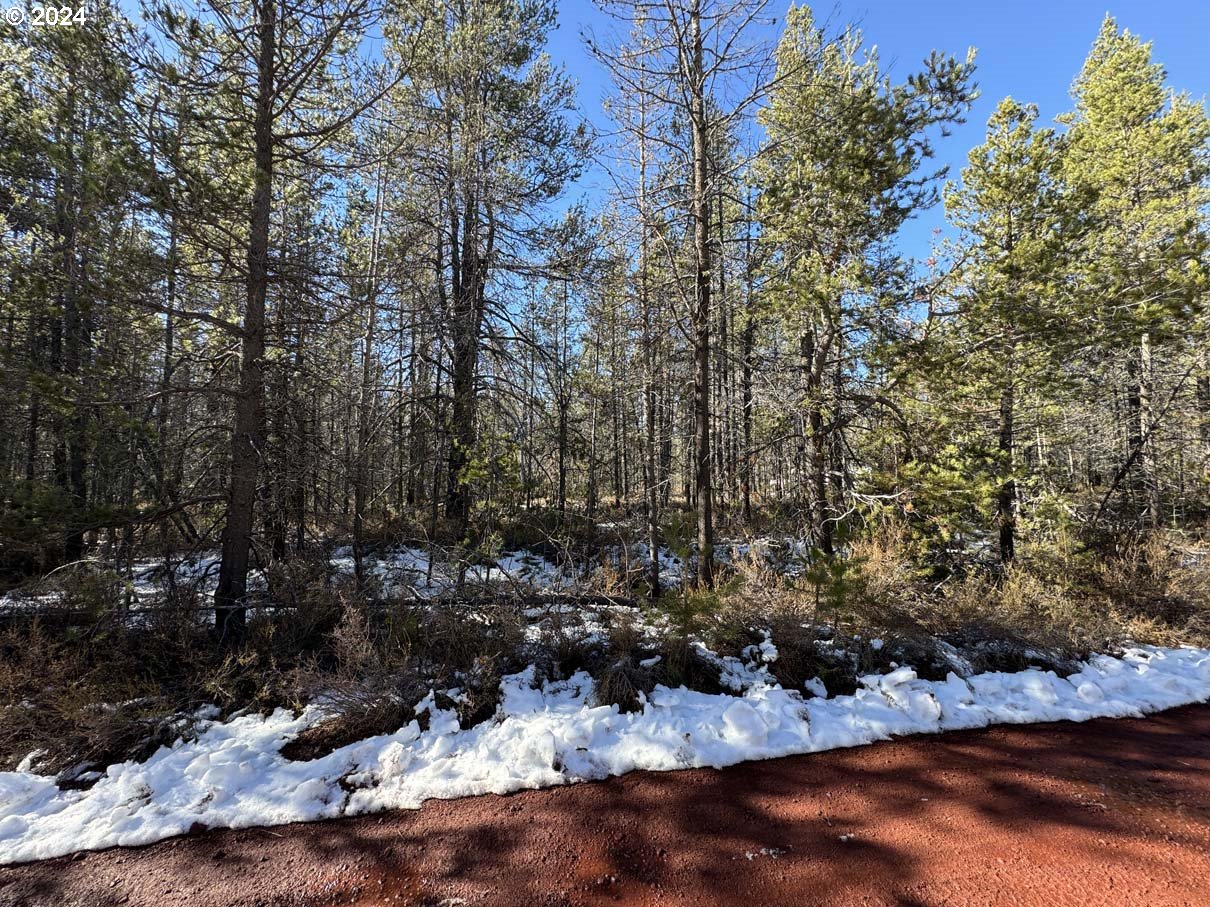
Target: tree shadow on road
x,y
901,822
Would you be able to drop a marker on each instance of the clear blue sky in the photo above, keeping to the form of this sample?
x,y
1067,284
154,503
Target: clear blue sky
x,y
1030,49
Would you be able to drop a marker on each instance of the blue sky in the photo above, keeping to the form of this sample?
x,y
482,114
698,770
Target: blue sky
x,y
1030,49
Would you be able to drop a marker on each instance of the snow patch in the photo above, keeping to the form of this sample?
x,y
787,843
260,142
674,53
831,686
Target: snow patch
x,y
232,774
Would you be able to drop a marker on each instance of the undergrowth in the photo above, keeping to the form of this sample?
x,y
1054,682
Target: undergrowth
x,y
96,678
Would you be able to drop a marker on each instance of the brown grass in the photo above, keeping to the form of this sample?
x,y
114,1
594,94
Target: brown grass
x,y
90,688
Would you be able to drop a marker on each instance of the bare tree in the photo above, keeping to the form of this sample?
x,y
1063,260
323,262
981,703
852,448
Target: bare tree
x,y
692,60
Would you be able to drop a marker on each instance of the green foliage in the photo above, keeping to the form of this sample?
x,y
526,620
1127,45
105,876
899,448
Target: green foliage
x,y
32,523
951,491
835,580
679,533
689,611
1141,154
1020,223
839,175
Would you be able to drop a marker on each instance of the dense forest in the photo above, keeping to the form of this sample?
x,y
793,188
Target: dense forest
x,y
283,273
380,424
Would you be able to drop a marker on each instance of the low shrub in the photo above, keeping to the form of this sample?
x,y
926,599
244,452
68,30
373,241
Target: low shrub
x,y
90,675
636,661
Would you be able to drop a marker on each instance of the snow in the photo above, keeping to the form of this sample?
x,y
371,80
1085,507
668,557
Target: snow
x,y
403,572
232,773
408,571
772,853
414,573
764,651
787,555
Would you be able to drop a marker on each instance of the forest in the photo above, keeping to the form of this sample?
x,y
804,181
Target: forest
x,y
322,373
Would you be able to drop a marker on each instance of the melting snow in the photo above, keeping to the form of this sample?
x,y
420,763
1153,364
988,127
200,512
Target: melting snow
x,y
233,774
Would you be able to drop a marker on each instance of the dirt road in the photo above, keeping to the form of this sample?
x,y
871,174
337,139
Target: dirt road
x,y
1109,812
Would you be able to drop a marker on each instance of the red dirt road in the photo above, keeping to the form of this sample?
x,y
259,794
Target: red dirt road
x,y
1109,812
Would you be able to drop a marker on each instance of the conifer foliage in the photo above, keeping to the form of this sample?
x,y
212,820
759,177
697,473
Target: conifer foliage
x,y
278,274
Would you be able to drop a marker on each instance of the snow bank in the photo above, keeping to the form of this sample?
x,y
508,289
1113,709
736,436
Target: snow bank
x,y
233,774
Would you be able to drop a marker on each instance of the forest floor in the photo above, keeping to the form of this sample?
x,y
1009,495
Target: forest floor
x,y
1103,812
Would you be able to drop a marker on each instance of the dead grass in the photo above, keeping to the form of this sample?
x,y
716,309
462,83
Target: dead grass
x,y
1054,607
85,686
637,662
74,707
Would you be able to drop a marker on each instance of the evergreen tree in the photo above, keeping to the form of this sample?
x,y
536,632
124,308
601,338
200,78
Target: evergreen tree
x,y
1014,313
839,176
1139,151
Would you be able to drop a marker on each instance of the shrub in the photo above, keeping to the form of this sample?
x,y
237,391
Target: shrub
x,y
636,663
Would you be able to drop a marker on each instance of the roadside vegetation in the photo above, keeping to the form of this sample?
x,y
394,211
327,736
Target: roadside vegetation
x,y
92,674
315,388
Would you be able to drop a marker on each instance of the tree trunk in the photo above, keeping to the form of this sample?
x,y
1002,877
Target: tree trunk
x,y
75,339
467,297
1147,432
247,440
302,463
163,472
366,396
818,457
35,404
563,401
1203,402
748,342
651,498
703,489
591,483
1006,499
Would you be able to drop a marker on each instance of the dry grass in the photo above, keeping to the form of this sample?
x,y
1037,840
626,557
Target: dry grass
x,y
636,662
1158,589
622,680
77,707
90,688
1052,608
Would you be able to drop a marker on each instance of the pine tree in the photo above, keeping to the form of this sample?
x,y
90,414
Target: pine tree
x,y
1014,316
72,179
838,177
495,109
1140,153
285,101
679,60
